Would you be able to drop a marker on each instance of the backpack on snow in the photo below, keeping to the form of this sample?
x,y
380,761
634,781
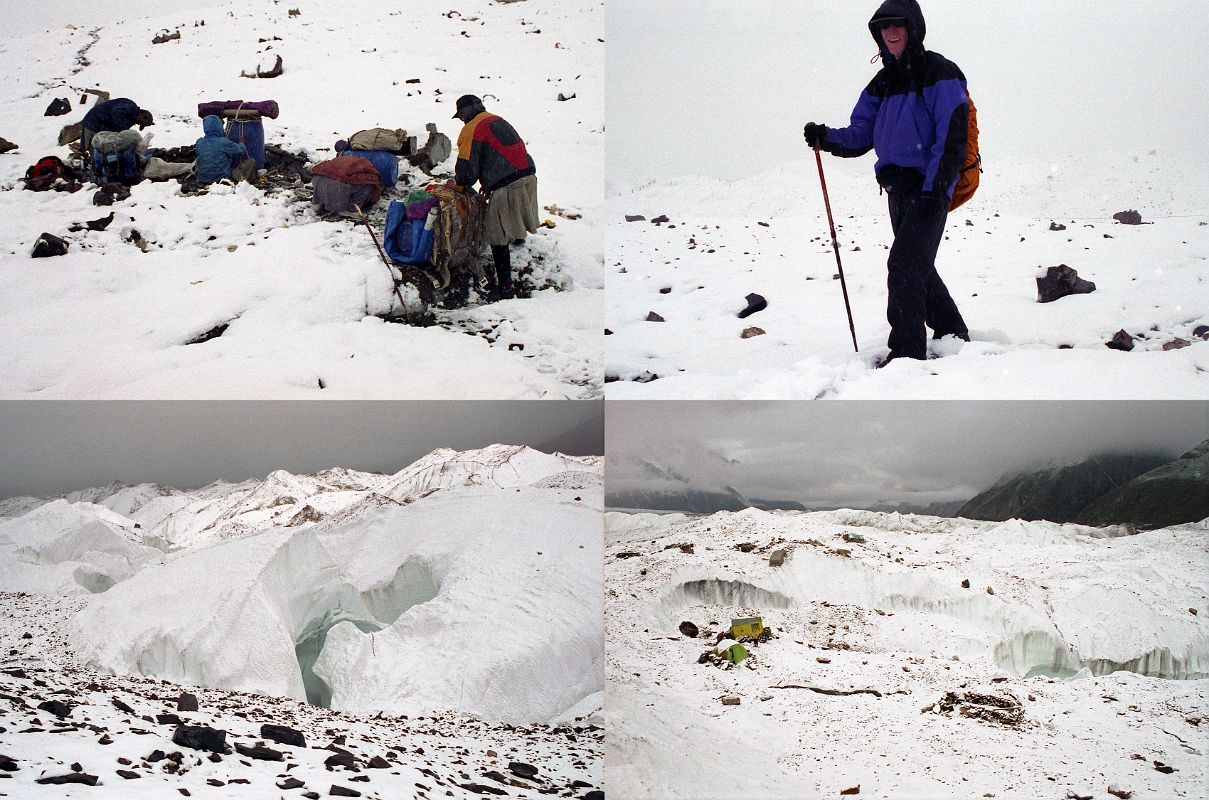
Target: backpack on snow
x,y
43,174
967,180
115,157
394,141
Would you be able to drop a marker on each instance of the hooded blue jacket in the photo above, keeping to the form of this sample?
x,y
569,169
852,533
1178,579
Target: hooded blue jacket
x,y
216,154
913,113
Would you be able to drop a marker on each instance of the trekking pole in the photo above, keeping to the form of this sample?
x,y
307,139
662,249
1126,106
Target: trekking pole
x,y
364,220
835,245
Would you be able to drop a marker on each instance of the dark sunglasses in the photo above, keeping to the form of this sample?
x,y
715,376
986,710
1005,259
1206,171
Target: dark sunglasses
x,y
893,22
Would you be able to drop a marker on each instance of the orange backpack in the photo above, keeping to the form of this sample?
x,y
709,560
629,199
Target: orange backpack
x,y
967,181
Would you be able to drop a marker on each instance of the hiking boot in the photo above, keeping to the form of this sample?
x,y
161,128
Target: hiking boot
x,y
964,335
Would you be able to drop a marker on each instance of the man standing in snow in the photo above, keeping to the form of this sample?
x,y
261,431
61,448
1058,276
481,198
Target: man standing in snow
x,y
913,114
491,152
117,114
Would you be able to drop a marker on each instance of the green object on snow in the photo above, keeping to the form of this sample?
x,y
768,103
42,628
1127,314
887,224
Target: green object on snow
x,y
735,653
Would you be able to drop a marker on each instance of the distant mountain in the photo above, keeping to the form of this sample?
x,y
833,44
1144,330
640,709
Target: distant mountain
x,y
1103,490
694,501
1168,495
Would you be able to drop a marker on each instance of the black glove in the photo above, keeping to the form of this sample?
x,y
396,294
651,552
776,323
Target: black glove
x,y
814,134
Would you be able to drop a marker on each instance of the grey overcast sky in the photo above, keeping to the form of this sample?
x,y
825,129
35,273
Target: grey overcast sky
x,y
48,447
867,452
723,88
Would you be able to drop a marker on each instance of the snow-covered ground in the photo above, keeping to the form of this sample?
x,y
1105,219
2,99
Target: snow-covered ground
x,y
1072,131
1097,646
449,614
303,297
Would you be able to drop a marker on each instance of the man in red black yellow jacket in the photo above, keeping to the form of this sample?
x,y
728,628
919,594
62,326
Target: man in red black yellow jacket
x,y
491,153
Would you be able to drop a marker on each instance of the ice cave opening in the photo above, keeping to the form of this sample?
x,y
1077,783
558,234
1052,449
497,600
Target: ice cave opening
x,y
377,607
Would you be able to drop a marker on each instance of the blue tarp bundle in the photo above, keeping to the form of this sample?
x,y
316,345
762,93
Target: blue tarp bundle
x,y
406,241
386,162
251,135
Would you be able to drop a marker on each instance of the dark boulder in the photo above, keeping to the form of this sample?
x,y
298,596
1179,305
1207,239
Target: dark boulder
x,y
49,245
1061,281
200,737
755,303
283,734
186,702
689,629
56,707
522,770
70,777
1120,340
1130,217
58,107
6,145
259,752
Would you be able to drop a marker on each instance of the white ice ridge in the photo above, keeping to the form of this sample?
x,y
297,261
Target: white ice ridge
x,y
472,598
69,548
1041,598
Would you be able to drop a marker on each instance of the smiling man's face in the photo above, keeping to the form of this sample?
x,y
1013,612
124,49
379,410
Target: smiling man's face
x,y
894,34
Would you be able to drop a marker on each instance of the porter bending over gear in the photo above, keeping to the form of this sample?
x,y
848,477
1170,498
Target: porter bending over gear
x,y
491,153
117,114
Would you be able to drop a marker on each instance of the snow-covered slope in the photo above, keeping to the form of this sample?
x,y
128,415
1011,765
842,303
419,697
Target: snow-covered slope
x,y
302,297
876,617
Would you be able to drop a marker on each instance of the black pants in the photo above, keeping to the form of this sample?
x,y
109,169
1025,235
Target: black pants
x,y
917,295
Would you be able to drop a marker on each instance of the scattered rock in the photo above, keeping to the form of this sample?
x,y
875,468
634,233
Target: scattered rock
x,y
48,245
730,700
777,557
1053,226
659,220
200,737
58,107
755,303
653,317
563,97
378,762
70,777
129,774
1130,217
6,145
168,719
186,702
479,788
823,659
291,783
752,331
346,760
8,764
855,538
56,707
1002,709
1176,344
164,36
745,547
1072,794
689,629
70,133
686,548
665,290
990,590
259,752
522,770
634,217
646,377
271,72
851,790
342,791
1201,331
1120,341
1119,791
965,584
1061,281
1163,768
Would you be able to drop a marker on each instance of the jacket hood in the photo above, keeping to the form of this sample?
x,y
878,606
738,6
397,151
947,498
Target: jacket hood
x,y
212,126
904,9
